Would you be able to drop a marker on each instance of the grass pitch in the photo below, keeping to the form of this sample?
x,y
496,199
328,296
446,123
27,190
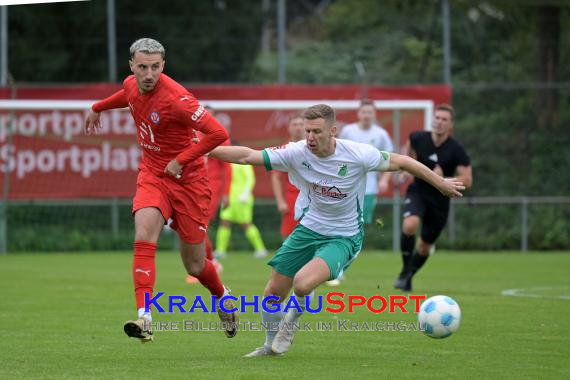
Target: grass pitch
x,y
61,316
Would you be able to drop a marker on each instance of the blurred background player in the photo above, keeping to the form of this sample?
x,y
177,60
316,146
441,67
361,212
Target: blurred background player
x,y
237,207
286,193
219,175
172,181
423,203
368,131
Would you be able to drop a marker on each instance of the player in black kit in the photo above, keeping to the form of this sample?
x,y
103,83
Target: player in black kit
x,y
447,157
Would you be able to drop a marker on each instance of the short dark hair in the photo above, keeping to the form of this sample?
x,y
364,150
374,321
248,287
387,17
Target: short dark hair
x,y
367,102
320,111
446,107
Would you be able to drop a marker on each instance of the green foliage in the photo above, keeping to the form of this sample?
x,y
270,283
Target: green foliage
x,y
205,41
88,228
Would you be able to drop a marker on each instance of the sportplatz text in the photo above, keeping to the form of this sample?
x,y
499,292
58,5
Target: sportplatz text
x,y
336,303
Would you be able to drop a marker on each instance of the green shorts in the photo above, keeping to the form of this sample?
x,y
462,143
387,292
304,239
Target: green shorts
x,y
303,245
369,206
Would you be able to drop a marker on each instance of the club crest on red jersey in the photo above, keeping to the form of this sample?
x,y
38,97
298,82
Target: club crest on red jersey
x,y
154,117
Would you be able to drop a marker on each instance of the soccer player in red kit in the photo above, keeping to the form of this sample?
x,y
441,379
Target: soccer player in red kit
x,y
172,181
286,199
219,175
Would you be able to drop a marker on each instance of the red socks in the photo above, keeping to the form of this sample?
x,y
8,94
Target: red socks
x,y
144,270
210,279
144,273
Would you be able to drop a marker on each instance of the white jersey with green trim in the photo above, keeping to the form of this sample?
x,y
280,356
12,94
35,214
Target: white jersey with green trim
x,y
375,136
332,188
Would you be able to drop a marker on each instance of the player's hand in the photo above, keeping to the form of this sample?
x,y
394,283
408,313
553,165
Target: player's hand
x,y
451,187
282,207
438,170
173,169
92,123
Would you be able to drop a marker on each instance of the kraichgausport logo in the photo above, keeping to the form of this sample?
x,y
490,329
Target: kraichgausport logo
x,y
333,302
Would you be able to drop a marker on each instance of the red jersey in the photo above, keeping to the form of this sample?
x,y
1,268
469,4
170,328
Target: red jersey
x,y
166,119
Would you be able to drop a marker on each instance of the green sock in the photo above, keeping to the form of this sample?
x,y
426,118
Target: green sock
x,y
252,234
223,239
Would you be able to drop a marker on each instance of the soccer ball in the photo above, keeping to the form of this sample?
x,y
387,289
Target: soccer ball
x,y
439,317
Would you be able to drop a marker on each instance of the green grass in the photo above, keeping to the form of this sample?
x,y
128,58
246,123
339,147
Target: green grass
x,y
61,316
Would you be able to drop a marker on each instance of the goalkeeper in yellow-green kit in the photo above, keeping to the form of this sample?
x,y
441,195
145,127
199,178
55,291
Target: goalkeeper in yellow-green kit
x,y
237,207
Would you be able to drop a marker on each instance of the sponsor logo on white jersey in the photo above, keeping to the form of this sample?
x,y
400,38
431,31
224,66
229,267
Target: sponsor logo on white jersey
x,y
328,191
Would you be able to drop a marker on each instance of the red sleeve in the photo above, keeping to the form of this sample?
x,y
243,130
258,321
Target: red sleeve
x,y
214,135
117,100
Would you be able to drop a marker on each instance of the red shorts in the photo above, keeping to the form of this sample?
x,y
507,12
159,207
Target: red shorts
x,y
288,222
217,193
186,203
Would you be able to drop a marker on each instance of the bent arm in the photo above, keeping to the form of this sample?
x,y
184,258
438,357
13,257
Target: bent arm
x,y
117,100
214,135
448,187
238,155
465,175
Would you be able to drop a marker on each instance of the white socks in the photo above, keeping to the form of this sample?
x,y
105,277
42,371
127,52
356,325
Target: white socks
x,y
145,315
271,321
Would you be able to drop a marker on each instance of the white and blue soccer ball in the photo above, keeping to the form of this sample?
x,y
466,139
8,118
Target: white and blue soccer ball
x,y
439,317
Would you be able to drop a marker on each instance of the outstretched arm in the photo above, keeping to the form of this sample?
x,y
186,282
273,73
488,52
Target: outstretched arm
x,y
238,155
449,187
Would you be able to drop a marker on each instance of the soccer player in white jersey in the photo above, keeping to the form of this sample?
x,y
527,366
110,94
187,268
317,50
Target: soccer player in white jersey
x,y
331,177
368,131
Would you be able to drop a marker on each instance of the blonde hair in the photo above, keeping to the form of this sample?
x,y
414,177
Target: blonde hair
x,y
147,46
320,111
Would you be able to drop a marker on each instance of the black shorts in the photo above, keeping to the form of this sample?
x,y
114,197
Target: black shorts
x,y
431,210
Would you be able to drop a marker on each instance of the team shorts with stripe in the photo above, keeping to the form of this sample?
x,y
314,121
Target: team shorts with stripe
x,y
303,245
186,203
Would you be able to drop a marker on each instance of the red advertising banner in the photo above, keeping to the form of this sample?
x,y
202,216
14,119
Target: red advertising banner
x,y
45,155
